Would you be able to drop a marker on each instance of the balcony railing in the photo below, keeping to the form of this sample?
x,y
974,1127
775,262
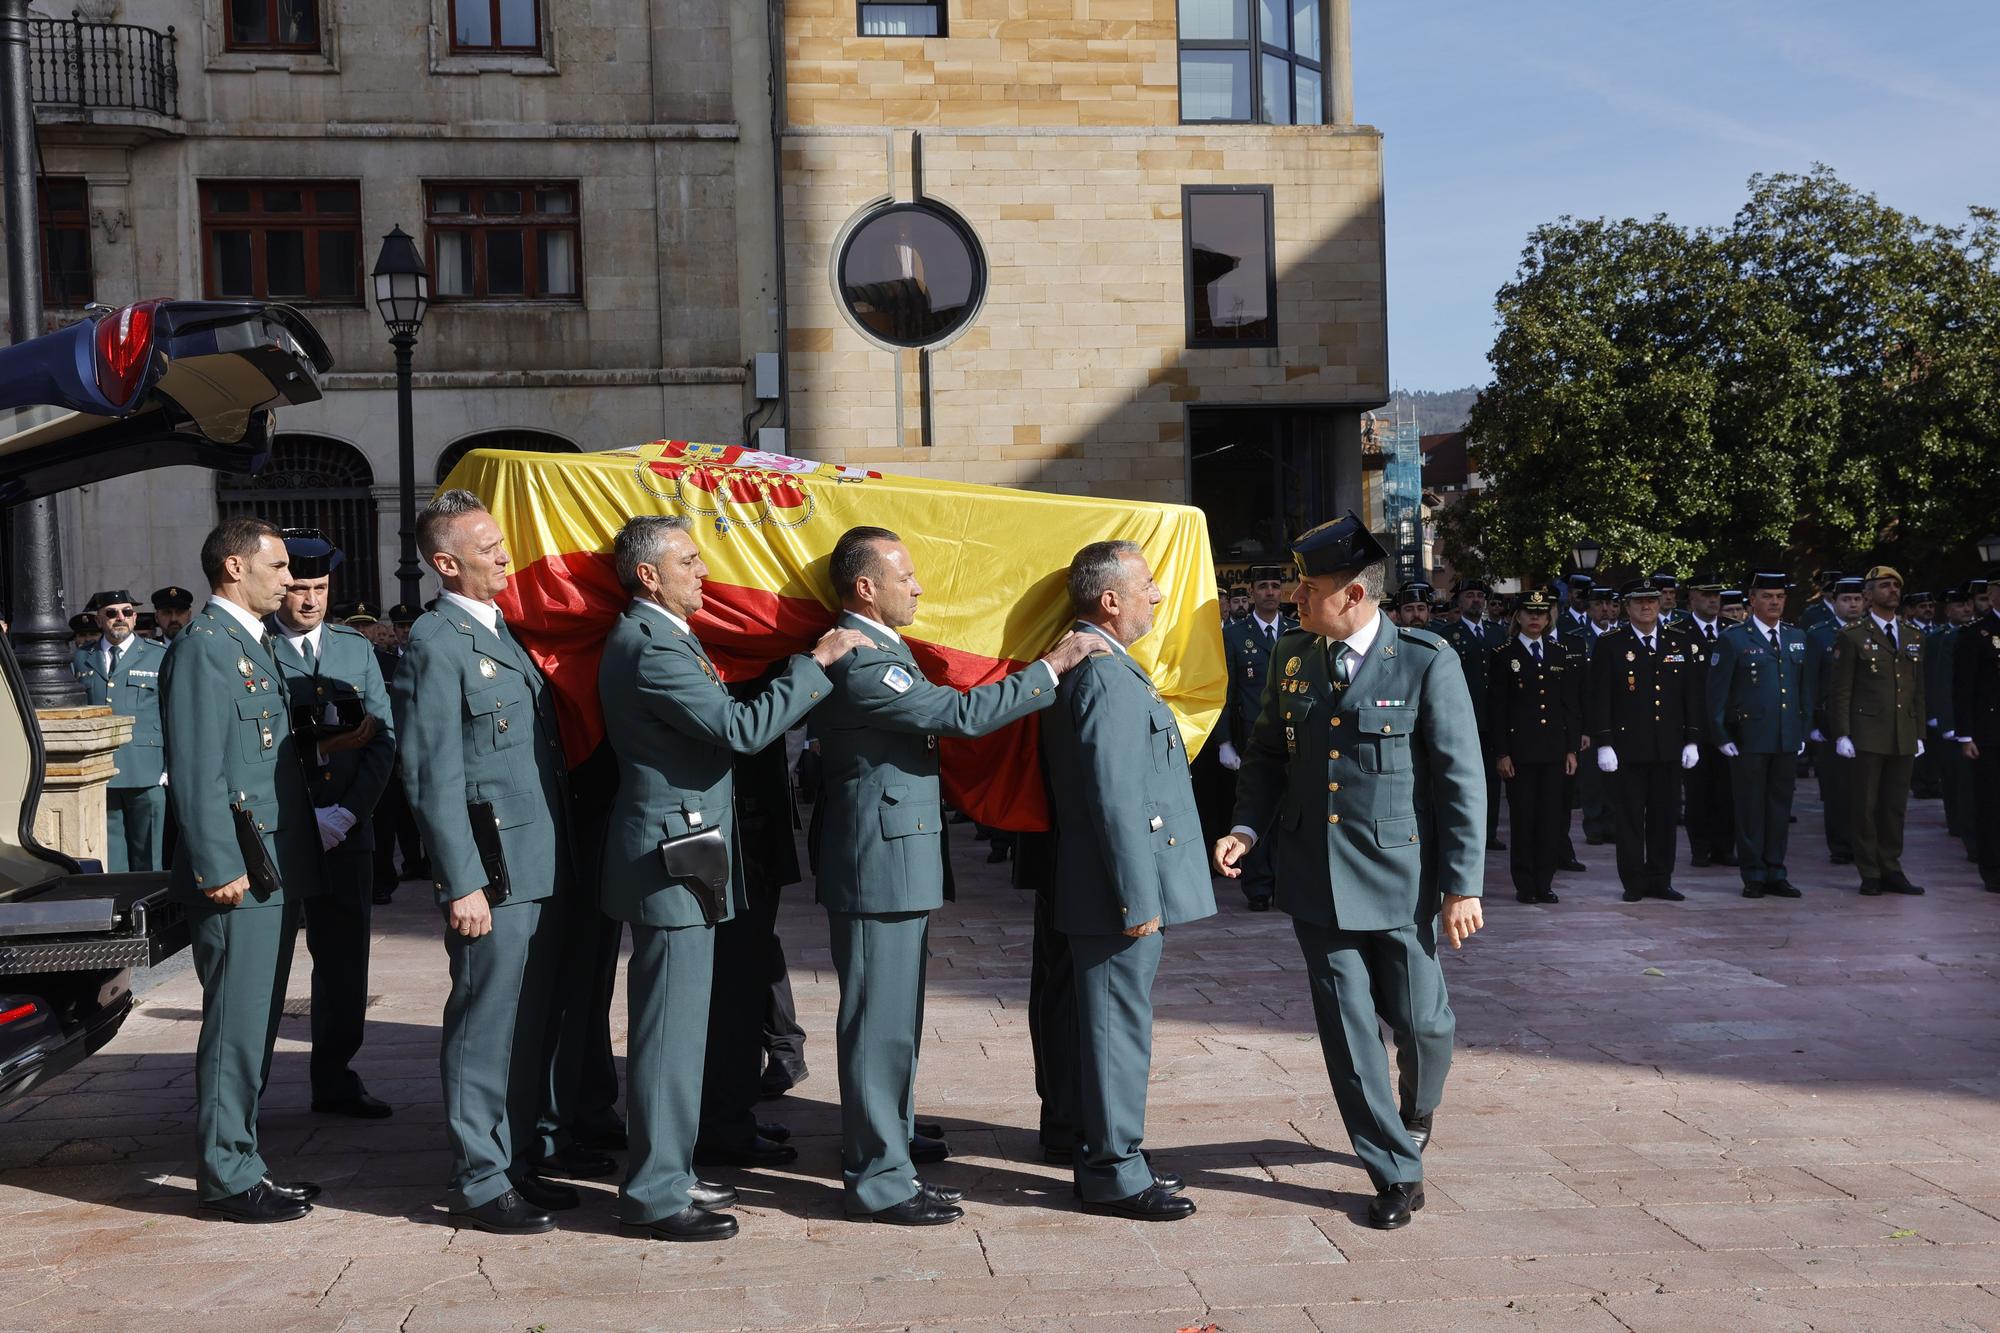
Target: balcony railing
x,y
103,66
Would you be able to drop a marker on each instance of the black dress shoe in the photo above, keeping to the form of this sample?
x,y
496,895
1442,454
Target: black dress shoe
x,y
1781,888
925,1150
1151,1204
1901,885
1547,896
548,1195
775,1132
1633,895
302,1190
1170,1181
760,1151
1525,896
508,1215
360,1105
1394,1204
780,1078
1871,888
1670,893
940,1193
260,1203
1260,903
577,1163
711,1198
382,897
1753,890
1419,1127
927,1129
919,1210
1496,846
690,1223
1573,865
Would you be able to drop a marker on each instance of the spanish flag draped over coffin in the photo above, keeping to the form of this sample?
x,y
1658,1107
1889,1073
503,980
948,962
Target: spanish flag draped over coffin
x,y
991,561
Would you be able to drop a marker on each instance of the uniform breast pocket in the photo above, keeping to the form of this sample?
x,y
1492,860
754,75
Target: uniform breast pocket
x,y
905,816
1166,739
1382,738
495,720
257,728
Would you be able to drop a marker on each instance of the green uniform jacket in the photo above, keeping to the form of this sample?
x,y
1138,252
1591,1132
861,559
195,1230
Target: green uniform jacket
x,y
1757,695
878,841
1819,671
1374,797
474,722
1475,658
1248,655
132,690
1130,845
347,683
676,732
1876,697
229,742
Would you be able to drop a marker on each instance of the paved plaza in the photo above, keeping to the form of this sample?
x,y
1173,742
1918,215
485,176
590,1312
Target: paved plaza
x,y
1717,1115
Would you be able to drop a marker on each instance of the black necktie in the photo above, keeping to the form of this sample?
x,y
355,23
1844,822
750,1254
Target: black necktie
x,y
1536,648
1271,635
1708,632
1773,635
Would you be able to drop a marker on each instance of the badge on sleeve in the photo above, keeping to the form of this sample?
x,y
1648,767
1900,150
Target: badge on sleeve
x,y
897,679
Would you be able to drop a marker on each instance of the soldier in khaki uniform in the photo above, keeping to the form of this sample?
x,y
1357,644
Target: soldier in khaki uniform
x,y
1875,712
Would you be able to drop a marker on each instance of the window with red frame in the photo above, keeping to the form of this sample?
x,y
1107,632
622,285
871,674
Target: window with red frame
x,y
273,25
282,240
504,241
496,27
67,281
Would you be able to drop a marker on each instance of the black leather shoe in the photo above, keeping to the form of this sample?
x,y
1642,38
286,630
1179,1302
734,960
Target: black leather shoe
x,y
1781,888
774,1131
508,1215
611,1138
1547,896
549,1195
1670,893
1394,1204
690,1223
1753,890
1419,1127
1573,865
919,1210
711,1198
780,1078
1170,1181
1495,845
1901,885
1633,895
927,1129
1151,1204
925,1151
382,897
576,1163
361,1106
760,1151
260,1203
1871,888
302,1190
940,1193
1526,897
1261,903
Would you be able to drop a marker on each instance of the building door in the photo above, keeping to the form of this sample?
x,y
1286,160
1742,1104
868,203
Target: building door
x,y
1262,475
315,482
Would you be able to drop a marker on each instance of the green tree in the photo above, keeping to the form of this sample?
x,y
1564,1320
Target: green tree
x,y
1818,382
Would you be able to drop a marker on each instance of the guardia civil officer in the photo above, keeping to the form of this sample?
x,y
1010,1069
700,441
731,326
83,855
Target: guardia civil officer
x,y
483,768
1129,863
675,730
247,856
173,608
1836,777
1476,638
1975,713
1644,710
340,716
1247,645
1708,803
880,857
1940,657
1757,718
1536,707
1373,845
122,670
1824,606
1875,712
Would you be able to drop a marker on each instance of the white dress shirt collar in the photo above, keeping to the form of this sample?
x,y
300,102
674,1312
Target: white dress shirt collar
x,y
242,617
874,627
1269,628
296,637
646,604
1529,644
1888,627
485,613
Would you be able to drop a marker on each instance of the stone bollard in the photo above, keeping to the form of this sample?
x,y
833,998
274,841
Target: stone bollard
x,y
79,745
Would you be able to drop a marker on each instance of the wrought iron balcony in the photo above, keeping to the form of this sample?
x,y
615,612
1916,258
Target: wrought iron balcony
x,y
88,67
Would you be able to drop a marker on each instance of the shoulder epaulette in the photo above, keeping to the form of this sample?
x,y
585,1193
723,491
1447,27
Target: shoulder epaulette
x,y
1414,634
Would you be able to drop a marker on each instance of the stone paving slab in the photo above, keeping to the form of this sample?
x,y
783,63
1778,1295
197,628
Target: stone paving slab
x,y
1723,1114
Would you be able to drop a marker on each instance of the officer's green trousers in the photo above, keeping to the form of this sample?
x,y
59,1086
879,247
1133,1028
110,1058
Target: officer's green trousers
x,y
1881,798
1762,786
1836,796
337,926
243,957
1114,1032
491,1056
135,819
666,995
879,958
1359,977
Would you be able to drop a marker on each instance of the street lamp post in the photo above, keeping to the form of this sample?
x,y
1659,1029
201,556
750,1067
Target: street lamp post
x,y
1586,554
402,295
1989,549
41,635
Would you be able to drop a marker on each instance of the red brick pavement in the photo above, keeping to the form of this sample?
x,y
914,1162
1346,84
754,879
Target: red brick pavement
x,y
1718,1114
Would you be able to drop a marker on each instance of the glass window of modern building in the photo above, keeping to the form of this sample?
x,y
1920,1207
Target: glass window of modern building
x,y
911,274
1252,60
1232,281
926,18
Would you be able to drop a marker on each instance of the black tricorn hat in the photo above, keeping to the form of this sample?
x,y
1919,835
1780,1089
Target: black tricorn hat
x,y
1268,574
1239,590
313,556
1471,583
1343,546
1604,592
1849,583
1708,580
83,622
171,598
1734,597
1769,580
402,613
112,597
1959,594
1414,594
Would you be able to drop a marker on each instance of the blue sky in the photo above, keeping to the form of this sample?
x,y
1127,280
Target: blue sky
x,y
1501,115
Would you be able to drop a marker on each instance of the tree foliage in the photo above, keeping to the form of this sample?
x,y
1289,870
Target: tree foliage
x,y
1816,384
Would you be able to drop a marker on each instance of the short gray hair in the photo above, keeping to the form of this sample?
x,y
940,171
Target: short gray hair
x,y
445,509
1098,566
642,541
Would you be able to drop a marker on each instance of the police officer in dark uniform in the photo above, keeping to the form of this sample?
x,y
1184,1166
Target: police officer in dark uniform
x,y
1975,712
1246,647
1475,638
1535,702
1835,778
173,607
1644,715
1709,805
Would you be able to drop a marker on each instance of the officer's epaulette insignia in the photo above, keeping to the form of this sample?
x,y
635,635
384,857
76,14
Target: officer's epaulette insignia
x,y
1411,634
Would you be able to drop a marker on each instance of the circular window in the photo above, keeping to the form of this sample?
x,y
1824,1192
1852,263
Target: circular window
x,y
911,274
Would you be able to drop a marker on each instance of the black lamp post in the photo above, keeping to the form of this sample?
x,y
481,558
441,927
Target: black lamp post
x,y
403,294
1989,549
1586,554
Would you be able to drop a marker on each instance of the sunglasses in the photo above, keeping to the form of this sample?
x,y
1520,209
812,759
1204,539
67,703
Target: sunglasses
x,y
115,613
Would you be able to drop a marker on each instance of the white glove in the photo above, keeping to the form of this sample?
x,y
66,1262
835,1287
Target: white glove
x,y
1920,749
335,823
1844,747
1949,735
1230,759
1802,747
1607,759
1933,722
1817,736
1729,748
1690,755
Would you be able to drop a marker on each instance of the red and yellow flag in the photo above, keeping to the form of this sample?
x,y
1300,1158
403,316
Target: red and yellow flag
x,y
991,561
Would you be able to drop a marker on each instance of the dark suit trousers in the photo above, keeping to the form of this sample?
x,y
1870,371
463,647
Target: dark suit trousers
x,y
1052,1029
492,1053
1491,758
1956,775
1593,793
337,931
1836,796
1361,979
582,1081
135,819
738,1000
1537,825
1881,796
1763,785
1986,805
667,992
243,957
782,1036
1114,1041
1711,807
1646,796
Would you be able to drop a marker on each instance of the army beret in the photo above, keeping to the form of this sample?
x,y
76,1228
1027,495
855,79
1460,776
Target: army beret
x,y
114,597
171,598
1538,599
82,622
1706,581
1342,546
402,613
1877,573
312,555
1769,580
1642,587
